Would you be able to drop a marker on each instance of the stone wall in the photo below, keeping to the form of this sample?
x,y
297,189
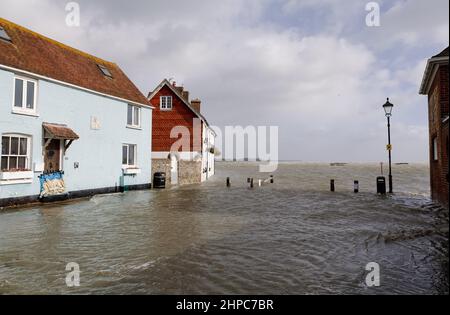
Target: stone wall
x,y
189,172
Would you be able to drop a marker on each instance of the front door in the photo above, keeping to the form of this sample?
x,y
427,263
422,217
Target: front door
x,y
52,156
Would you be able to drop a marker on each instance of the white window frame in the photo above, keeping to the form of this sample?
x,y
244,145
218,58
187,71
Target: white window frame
x,y
24,109
164,104
133,116
128,165
435,149
27,156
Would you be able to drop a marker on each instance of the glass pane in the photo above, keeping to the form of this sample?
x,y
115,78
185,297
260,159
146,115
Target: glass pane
x,y
136,116
130,115
12,163
5,145
169,102
163,102
22,164
30,95
23,146
124,155
4,165
131,155
14,146
18,95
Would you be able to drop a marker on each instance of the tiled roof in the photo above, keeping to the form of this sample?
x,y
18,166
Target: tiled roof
x,y
32,52
56,131
443,53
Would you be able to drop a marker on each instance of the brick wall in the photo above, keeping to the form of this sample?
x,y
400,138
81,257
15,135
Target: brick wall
x,y
165,121
438,110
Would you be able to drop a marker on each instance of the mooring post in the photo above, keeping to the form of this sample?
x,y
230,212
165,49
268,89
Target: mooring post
x,y
251,183
248,180
228,182
271,179
356,187
332,185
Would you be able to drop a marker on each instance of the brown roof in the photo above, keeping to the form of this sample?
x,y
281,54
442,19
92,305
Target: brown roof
x,y
57,131
443,53
40,55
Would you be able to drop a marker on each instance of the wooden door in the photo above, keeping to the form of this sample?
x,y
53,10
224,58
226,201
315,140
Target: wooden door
x,y
52,156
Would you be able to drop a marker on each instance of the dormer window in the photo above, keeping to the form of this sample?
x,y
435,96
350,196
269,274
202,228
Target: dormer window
x,y
4,35
105,71
166,103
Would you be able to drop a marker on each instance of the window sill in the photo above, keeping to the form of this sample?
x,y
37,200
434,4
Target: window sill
x,y
131,170
134,127
165,109
25,113
12,178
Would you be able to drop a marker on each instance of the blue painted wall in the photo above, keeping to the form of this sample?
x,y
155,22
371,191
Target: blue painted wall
x,y
98,152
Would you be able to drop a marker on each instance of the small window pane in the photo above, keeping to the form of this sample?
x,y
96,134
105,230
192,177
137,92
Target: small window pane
x,y
131,155
23,146
12,163
4,165
14,146
18,94
136,116
130,115
30,95
124,155
5,145
169,102
22,164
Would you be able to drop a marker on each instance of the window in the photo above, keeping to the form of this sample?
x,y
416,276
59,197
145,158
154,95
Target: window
x,y
24,95
15,153
4,35
134,116
166,102
129,155
105,71
435,149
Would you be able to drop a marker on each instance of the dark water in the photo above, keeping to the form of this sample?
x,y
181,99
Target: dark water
x,y
292,237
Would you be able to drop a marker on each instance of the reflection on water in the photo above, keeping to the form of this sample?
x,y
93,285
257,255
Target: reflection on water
x,y
292,237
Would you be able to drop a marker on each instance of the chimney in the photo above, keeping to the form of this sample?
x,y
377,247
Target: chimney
x,y
196,104
186,95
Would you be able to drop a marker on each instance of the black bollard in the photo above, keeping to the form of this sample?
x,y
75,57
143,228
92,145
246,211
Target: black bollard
x,y
271,179
356,187
332,185
228,182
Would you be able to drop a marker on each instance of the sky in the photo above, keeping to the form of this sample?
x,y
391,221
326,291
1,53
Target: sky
x,y
311,67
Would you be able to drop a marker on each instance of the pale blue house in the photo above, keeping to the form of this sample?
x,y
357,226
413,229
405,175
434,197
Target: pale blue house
x,y
71,124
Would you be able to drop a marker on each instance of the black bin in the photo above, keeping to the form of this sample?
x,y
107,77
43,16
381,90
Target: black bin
x,y
159,180
381,185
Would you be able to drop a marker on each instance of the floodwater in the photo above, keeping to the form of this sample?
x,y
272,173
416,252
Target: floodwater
x,y
290,237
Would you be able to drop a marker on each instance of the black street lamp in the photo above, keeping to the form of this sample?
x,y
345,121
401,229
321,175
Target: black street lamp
x,y
388,110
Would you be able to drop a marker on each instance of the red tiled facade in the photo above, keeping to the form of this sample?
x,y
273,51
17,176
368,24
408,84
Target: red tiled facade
x,y
164,121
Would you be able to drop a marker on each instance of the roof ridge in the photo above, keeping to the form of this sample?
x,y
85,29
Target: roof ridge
x,y
55,42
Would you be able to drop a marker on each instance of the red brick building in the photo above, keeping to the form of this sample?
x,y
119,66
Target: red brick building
x,y
435,86
175,116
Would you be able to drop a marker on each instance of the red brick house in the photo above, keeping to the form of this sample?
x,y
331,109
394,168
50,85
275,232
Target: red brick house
x,y
435,86
176,116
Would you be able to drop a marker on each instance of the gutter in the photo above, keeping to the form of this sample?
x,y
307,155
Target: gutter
x,y
430,72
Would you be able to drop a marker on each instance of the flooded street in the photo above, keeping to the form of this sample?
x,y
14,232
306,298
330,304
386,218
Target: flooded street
x,y
291,237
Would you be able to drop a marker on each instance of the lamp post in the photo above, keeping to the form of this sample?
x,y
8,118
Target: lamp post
x,y
388,110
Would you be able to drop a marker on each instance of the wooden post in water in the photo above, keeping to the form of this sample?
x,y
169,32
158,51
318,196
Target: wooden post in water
x,y
228,182
356,187
271,179
251,183
332,187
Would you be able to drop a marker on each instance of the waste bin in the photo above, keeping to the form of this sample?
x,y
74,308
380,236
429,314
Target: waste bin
x,y
159,180
381,185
